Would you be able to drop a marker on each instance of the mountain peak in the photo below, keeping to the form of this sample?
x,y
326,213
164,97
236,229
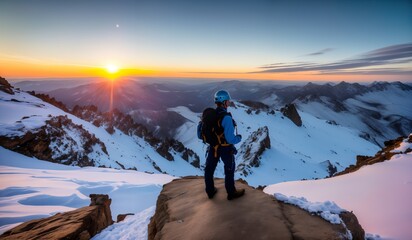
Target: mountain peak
x,y
381,86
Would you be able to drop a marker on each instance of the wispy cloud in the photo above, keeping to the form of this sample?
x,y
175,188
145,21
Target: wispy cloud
x,y
321,52
384,56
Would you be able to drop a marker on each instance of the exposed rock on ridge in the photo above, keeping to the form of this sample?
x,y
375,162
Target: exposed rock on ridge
x,y
385,154
290,112
53,142
252,149
5,86
82,223
165,147
183,211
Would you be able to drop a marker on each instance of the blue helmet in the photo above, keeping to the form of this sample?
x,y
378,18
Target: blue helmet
x,y
221,96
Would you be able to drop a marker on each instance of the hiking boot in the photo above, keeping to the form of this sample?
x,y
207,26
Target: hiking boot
x,y
210,195
236,194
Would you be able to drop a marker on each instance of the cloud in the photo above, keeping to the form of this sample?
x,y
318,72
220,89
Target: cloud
x,y
395,54
321,52
383,71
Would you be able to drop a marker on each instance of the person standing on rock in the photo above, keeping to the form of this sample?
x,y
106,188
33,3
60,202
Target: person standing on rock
x,y
221,148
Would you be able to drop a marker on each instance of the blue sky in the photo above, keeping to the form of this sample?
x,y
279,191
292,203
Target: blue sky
x,y
231,37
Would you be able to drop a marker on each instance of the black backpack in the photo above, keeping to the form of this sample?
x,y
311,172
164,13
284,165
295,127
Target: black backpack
x,y
211,129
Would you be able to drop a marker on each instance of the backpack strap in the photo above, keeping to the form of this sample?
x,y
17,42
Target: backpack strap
x,y
221,137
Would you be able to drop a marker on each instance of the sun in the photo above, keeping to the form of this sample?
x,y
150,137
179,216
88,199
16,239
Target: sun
x,y
110,68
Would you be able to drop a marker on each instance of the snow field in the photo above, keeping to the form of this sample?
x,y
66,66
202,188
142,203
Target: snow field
x,y
41,189
379,195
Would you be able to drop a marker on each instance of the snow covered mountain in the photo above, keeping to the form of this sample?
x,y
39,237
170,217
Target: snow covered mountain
x,y
379,110
274,148
278,145
35,128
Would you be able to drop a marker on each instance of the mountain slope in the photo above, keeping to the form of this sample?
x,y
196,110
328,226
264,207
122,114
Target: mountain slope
x,y
381,111
295,152
52,134
378,194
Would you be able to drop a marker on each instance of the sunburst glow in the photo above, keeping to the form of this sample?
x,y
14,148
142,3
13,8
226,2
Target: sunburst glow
x,y
110,68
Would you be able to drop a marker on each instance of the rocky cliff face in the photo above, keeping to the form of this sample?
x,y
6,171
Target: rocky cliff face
x,y
112,120
290,112
167,148
251,150
183,211
59,140
82,223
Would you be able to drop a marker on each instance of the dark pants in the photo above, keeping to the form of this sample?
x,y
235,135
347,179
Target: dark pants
x,y
227,156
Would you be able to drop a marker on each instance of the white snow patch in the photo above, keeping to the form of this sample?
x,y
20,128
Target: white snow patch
x,y
327,210
132,228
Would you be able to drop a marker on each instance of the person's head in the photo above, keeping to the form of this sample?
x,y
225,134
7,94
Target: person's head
x,y
222,98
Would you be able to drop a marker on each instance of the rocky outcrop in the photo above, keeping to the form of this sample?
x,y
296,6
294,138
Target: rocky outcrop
x,y
289,111
255,106
167,148
385,154
82,223
50,100
110,120
59,140
183,211
252,149
329,167
353,225
5,86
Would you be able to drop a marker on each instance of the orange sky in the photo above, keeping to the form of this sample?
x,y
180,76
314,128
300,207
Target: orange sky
x,y
18,69
263,40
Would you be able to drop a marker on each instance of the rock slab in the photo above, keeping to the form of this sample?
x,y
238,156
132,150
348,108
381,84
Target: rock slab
x,y
81,224
183,211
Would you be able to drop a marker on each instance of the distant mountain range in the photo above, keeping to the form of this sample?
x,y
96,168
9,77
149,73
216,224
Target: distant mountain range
x,y
379,110
279,143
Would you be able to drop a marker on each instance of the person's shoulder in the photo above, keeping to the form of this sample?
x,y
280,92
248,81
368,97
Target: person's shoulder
x,y
227,118
226,114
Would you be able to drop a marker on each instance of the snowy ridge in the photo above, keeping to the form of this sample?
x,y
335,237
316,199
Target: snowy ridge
x,y
118,150
296,152
378,194
382,111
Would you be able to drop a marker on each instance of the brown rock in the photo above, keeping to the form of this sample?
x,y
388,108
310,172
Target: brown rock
x,y
290,112
82,223
382,155
121,217
41,143
352,223
5,86
183,211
